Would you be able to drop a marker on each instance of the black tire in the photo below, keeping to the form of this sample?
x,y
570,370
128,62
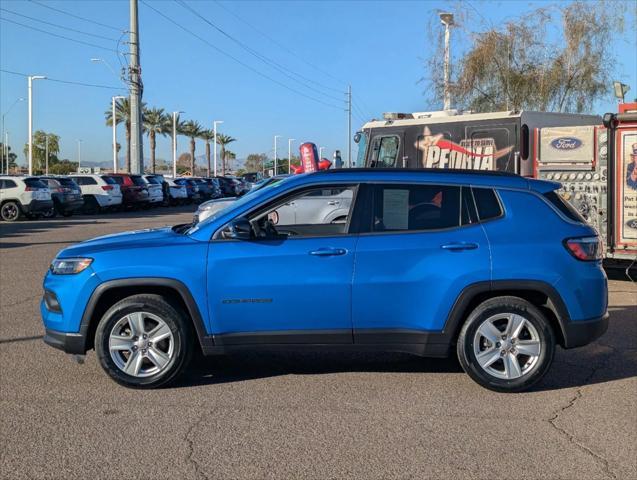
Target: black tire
x,y
10,211
91,206
50,213
493,308
67,213
176,319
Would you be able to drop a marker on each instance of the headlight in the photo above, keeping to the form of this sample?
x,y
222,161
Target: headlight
x,y
69,266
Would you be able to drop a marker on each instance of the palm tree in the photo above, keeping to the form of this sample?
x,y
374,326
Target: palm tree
x,y
207,135
224,140
155,122
191,129
122,114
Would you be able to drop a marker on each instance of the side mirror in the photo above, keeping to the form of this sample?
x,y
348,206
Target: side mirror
x,y
238,229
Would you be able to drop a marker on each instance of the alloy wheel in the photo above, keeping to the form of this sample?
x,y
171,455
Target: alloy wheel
x,y
141,344
10,212
507,346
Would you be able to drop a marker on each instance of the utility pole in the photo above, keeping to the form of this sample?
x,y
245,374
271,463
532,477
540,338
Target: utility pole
x,y
114,120
214,128
6,147
79,155
46,154
447,20
349,126
30,88
135,83
290,140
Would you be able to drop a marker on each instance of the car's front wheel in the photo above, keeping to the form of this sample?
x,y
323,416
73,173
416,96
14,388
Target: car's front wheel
x,y
144,341
10,211
506,344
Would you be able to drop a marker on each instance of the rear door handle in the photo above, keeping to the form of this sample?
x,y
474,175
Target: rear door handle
x,y
459,246
333,202
328,252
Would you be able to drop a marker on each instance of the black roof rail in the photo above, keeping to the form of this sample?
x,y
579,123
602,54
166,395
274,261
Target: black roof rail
x,y
457,171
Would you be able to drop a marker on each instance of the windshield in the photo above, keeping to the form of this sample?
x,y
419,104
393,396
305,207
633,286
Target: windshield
x,y
362,146
248,197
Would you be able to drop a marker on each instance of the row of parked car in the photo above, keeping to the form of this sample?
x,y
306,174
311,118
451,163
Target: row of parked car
x,y
51,195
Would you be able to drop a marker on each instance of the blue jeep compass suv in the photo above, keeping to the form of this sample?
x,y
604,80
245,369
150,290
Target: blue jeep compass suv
x,y
495,266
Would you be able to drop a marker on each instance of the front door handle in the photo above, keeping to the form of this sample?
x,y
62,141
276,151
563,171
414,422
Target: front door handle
x,y
328,252
459,246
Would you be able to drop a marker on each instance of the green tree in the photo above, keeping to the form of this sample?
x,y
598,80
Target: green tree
x,y
223,141
193,130
207,136
254,162
523,64
122,114
39,150
156,122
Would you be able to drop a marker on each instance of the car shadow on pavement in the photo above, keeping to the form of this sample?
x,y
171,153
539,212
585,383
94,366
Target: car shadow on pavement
x,y
611,357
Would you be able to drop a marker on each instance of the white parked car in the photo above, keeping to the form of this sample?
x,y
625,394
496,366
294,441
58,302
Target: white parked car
x,y
178,193
155,191
23,196
99,191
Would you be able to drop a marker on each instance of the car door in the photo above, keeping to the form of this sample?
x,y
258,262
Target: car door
x,y
419,247
288,286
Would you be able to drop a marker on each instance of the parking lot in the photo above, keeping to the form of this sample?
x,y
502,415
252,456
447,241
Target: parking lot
x,y
298,415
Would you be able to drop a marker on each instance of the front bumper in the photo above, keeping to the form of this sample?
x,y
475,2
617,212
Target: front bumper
x,y
577,334
74,343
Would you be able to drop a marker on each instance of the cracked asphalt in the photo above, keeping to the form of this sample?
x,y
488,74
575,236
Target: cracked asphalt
x,y
299,415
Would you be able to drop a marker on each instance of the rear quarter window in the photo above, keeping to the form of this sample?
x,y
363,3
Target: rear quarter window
x,y
109,180
487,203
85,181
34,183
563,206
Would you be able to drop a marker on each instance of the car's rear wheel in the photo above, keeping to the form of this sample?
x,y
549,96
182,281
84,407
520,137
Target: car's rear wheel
x,y
10,211
91,205
144,341
506,344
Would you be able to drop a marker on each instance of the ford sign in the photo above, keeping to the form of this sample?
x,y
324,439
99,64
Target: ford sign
x,y
566,143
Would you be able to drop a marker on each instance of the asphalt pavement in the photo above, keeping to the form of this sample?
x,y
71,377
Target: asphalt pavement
x,y
298,415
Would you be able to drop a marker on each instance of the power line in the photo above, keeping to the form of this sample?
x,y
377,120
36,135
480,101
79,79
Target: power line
x,y
240,62
76,16
57,35
58,26
69,82
280,45
291,75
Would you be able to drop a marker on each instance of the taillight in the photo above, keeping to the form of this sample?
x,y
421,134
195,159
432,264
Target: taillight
x,y
107,187
587,249
30,189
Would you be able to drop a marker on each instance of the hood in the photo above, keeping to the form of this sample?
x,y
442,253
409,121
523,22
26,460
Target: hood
x,y
147,238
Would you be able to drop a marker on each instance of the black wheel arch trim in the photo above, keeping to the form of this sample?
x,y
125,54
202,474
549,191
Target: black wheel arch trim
x,y
182,290
456,317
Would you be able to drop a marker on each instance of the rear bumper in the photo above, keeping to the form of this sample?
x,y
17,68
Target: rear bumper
x,y
74,343
577,334
37,206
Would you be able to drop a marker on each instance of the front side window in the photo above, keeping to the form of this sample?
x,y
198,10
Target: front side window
x,y
314,212
399,208
385,151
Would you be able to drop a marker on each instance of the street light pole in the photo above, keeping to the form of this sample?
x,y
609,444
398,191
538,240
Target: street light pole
x,y
447,20
290,140
6,146
114,120
30,88
46,154
275,153
214,128
175,115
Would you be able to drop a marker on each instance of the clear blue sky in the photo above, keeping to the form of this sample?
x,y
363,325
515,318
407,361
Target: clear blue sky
x,y
379,47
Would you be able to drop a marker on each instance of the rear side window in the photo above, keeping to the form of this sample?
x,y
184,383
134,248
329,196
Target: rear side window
x,y
415,207
67,182
118,180
487,203
563,206
85,181
34,183
109,180
137,180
